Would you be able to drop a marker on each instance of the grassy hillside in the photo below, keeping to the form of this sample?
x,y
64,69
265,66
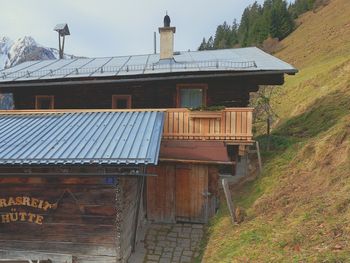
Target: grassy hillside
x,y
299,209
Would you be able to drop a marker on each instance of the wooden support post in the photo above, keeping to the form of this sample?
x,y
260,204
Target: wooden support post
x,y
140,187
246,170
229,201
259,156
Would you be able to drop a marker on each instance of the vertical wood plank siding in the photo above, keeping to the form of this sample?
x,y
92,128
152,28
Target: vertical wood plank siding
x,y
228,124
185,192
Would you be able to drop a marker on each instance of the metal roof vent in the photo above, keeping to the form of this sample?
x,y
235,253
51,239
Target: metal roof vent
x,y
63,31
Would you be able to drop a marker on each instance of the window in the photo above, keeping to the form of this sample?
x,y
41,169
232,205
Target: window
x,y
44,102
121,101
191,95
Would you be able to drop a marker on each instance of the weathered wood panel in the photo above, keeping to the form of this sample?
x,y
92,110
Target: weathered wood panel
x,y
182,192
213,189
132,195
192,193
161,193
53,215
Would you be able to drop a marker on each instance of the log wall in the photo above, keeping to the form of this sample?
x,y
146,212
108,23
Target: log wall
x,y
148,95
80,220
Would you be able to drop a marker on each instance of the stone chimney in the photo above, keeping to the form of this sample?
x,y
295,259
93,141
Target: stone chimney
x,y
166,39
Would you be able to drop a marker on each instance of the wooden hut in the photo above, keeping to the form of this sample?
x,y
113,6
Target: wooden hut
x,y
71,183
204,98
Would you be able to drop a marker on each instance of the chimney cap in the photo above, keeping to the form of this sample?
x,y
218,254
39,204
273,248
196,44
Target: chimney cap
x,y
167,20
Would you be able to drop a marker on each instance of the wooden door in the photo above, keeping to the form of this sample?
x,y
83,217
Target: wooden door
x,y
161,193
192,193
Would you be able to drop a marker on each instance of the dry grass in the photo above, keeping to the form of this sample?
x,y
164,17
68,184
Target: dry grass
x,y
320,36
299,210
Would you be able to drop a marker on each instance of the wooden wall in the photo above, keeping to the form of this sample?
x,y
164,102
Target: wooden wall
x,y
130,192
76,218
148,95
185,192
161,202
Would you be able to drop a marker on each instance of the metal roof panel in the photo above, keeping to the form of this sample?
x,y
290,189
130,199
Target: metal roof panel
x,y
249,59
80,137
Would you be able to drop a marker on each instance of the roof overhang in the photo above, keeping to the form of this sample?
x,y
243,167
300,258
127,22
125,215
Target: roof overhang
x,y
143,78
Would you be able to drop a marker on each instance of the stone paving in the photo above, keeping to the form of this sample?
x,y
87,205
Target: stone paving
x,y
169,243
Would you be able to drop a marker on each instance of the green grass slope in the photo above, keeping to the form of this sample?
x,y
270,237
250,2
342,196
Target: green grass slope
x,y
299,209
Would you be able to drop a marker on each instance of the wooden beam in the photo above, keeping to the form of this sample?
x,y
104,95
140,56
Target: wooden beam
x,y
229,201
259,156
21,256
193,161
74,174
140,187
60,111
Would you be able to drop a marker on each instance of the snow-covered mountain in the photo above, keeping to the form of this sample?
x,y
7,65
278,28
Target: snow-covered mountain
x,y
21,50
24,49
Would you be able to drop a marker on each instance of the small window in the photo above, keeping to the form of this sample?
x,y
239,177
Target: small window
x,y
191,96
121,101
44,102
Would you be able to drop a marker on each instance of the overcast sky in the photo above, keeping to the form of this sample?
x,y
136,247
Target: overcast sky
x,y
116,27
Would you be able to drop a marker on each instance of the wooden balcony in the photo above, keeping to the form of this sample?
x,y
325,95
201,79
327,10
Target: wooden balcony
x,y
230,124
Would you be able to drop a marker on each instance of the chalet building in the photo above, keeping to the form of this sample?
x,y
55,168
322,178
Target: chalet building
x,y
96,145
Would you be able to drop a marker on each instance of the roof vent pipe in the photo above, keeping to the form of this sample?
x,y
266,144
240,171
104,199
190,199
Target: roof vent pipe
x,y
167,39
155,42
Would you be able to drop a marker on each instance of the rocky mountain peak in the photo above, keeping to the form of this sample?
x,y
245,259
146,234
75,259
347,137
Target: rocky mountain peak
x,y
21,50
24,49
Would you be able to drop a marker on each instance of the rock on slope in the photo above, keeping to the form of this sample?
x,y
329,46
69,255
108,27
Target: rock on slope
x,y
299,209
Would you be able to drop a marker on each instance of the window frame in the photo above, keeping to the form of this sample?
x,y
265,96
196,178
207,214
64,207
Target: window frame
x,y
128,98
202,86
50,97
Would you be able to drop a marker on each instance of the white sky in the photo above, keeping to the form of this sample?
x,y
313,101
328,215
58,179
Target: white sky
x,y
115,27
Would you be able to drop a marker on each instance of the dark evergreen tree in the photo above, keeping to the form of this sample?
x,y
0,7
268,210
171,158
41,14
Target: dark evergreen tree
x,y
300,6
203,45
222,36
243,30
281,23
258,22
210,43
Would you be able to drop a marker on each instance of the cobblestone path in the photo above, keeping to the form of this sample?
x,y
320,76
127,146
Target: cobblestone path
x,y
170,243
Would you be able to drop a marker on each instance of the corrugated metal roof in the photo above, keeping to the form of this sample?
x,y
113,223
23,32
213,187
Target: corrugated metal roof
x,y
84,137
225,60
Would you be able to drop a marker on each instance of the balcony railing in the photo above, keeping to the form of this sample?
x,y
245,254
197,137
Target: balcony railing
x,y
230,124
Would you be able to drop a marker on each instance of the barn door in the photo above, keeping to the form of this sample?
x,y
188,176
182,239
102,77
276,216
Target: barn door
x,y
191,193
161,194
